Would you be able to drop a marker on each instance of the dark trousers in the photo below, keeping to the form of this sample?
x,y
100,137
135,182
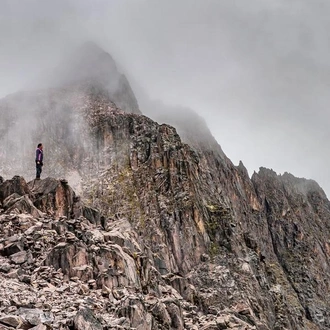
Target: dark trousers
x,y
39,170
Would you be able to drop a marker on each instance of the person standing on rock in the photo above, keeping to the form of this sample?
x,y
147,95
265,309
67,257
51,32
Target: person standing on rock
x,y
39,159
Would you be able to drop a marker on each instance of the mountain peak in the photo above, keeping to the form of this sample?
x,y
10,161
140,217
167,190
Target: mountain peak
x,y
90,47
89,61
92,67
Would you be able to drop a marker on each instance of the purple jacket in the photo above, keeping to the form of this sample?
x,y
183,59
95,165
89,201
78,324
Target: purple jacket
x,y
39,155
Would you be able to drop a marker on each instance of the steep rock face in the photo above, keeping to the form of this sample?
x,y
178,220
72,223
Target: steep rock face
x,y
243,252
297,213
165,235
190,201
51,267
191,127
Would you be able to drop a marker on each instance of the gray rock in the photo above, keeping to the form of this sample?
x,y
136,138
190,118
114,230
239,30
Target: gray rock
x,y
40,327
24,205
11,320
35,316
2,327
85,320
19,257
5,267
16,185
10,200
11,248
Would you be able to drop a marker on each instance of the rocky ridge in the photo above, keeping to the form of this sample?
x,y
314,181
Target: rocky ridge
x,y
165,233
166,237
63,266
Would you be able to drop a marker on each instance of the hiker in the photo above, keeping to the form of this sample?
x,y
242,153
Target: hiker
x,y
39,159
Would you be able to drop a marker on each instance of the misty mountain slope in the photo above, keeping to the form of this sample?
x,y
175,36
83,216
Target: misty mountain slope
x,y
191,127
87,80
91,65
49,116
158,218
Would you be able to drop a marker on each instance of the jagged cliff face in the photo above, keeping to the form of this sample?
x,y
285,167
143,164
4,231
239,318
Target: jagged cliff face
x,y
164,235
297,214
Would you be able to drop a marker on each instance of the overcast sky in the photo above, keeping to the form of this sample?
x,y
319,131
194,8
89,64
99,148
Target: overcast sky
x,y
258,71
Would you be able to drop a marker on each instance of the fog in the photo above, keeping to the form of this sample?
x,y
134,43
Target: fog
x,y
257,71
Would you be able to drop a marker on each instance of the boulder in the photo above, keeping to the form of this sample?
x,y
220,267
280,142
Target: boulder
x,y
3,327
35,316
10,200
40,327
22,204
19,257
86,320
11,320
53,197
5,267
11,248
15,185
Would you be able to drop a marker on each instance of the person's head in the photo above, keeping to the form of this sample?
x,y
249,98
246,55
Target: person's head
x,y
40,146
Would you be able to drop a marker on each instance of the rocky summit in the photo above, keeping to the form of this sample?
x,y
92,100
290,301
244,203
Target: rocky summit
x,y
158,231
